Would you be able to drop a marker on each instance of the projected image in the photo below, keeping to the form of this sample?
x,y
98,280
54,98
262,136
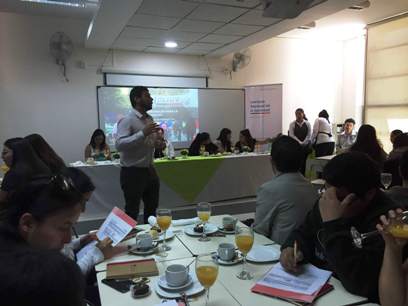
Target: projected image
x,y
174,109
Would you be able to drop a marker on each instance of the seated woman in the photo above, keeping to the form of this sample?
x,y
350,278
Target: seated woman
x,y
96,253
162,146
392,163
223,141
42,214
24,165
367,143
46,153
202,143
247,141
7,153
98,149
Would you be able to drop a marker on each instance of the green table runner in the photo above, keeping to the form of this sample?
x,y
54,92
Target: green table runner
x,y
188,177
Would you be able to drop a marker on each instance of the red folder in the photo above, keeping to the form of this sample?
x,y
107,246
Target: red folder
x,y
290,296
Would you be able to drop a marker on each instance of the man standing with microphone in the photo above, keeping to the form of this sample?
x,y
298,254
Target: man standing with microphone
x,y
135,142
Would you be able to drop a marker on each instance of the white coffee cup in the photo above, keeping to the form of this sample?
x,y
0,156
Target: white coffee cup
x,y
144,241
228,223
226,251
176,275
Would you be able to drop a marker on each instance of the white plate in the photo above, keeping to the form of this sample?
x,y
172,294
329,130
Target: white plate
x,y
194,289
209,229
263,253
163,284
169,235
238,258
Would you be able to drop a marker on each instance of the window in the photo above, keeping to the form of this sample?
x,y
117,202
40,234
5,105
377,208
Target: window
x,y
386,99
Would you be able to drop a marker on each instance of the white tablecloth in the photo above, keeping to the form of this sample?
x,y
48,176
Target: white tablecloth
x,y
228,290
236,177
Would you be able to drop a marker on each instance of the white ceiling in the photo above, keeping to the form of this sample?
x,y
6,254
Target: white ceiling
x,y
205,27
347,24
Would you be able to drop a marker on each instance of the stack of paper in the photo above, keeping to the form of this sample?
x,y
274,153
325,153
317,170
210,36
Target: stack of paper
x,y
116,226
298,289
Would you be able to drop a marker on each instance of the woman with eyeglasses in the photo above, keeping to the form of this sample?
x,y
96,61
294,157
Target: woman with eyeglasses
x,y
24,165
96,252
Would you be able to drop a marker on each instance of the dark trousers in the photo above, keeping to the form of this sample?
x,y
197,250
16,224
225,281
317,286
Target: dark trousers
x,y
324,149
140,184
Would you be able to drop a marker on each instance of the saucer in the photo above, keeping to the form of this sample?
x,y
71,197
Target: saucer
x,y
209,229
136,251
225,231
163,284
237,259
194,289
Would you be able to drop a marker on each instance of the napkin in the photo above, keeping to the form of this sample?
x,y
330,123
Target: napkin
x,y
77,164
181,222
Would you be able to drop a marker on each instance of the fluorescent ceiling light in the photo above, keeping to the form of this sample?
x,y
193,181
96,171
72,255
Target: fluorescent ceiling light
x,y
72,3
170,44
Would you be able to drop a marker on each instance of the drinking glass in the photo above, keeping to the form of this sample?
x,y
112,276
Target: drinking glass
x,y
386,179
244,239
106,154
204,213
164,222
397,228
207,272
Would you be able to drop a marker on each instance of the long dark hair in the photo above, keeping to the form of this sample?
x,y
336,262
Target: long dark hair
x,y
46,153
96,133
324,114
26,163
223,138
194,149
300,110
367,142
9,142
249,139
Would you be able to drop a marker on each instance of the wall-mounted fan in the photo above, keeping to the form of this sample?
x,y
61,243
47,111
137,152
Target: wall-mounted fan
x,y
61,48
241,59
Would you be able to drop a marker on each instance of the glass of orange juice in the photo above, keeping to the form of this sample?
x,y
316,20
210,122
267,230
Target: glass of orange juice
x,y
244,239
207,272
164,221
204,213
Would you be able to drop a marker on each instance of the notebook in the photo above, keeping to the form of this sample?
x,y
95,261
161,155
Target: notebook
x,y
131,269
302,289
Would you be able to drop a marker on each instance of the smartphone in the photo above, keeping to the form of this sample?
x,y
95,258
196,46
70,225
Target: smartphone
x,y
121,285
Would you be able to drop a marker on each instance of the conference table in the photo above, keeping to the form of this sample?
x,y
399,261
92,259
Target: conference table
x,y
183,182
228,290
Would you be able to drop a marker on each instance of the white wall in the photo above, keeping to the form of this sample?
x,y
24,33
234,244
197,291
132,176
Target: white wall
x,y
34,98
353,79
316,74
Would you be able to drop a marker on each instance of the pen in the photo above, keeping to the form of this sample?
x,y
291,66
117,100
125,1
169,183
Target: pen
x,y
295,247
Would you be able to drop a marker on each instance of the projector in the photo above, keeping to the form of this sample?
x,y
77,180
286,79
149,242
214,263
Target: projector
x,y
286,9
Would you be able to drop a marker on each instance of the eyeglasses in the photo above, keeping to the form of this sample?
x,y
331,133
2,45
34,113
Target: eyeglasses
x,y
63,182
58,182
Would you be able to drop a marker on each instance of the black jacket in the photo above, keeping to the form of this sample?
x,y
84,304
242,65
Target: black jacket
x,y
329,245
